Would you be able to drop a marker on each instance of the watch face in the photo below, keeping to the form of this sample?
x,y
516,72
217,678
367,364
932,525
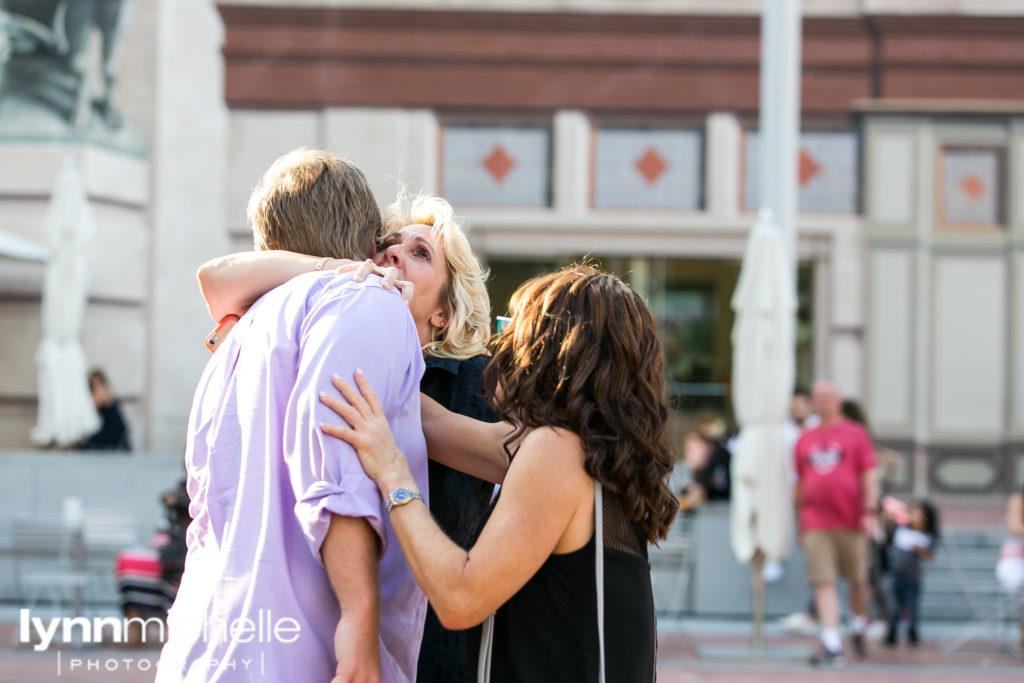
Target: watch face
x,y
400,496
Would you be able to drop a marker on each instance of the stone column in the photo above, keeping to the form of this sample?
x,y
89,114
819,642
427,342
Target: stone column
x,y
188,213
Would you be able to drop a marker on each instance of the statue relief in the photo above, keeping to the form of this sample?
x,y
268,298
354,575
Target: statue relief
x,y
52,84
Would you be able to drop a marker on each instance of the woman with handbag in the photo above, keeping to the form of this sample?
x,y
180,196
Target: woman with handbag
x,y
561,563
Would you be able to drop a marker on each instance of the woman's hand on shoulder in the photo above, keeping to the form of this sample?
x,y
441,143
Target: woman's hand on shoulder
x,y
368,432
389,276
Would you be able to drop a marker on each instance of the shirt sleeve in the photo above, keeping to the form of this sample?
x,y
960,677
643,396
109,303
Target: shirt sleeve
x,y
798,462
868,461
345,328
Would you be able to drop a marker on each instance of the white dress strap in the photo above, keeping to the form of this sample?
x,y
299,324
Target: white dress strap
x,y
483,665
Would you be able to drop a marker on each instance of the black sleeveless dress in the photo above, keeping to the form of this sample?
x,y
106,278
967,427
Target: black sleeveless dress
x,y
458,503
548,630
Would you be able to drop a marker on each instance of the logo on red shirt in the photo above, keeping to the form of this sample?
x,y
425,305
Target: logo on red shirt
x,y
825,457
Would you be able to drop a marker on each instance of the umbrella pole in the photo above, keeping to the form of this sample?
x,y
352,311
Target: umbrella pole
x,y
757,567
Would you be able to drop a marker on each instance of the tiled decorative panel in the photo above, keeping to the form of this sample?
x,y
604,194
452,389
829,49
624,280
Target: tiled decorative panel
x,y
968,470
971,185
648,168
827,172
497,165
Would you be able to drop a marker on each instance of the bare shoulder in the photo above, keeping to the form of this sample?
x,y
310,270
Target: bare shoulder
x,y
554,442
547,482
554,450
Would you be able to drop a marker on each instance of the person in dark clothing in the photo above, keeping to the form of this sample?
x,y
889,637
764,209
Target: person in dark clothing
x,y
458,503
113,432
912,544
714,477
711,479
148,579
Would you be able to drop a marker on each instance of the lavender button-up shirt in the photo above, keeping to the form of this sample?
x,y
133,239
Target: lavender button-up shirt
x,y
255,603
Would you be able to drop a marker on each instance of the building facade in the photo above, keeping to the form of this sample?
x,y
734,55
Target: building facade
x,y
626,131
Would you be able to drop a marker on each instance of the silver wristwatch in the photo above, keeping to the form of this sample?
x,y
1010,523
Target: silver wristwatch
x,y
401,497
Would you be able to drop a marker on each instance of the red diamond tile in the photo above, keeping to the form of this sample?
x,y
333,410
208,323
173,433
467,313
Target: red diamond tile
x,y
972,186
808,168
498,163
651,165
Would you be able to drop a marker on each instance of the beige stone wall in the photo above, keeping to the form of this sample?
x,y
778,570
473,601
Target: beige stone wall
x,y
114,334
158,216
187,212
943,320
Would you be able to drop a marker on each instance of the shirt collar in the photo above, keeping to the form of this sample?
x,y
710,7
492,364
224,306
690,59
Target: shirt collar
x,y
449,364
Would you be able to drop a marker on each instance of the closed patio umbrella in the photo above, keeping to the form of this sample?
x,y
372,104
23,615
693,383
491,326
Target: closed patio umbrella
x,y
66,410
763,370
763,373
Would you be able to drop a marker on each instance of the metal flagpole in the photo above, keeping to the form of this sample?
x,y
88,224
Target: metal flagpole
x,y
781,38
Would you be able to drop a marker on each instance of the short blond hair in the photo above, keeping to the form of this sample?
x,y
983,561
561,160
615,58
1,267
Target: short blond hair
x,y
312,202
465,295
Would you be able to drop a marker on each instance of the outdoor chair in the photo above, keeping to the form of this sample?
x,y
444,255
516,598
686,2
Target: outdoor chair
x,y
680,543
993,609
49,564
49,561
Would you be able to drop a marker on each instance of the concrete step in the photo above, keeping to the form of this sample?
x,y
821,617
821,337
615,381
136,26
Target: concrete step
x,y
983,536
945,585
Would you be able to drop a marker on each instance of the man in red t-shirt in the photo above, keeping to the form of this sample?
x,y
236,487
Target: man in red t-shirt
x,y
837,498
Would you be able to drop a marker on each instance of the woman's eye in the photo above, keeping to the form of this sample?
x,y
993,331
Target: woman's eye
x,y
422,253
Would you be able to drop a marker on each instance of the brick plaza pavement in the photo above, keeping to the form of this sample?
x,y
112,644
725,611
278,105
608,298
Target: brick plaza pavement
x,y
689,652
685,658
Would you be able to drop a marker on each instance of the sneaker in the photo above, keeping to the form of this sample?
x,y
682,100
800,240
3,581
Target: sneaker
x,y
859,646
826,659
798,624
877,630
912,639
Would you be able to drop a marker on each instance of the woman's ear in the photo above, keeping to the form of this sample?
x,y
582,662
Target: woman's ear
x,y
438,319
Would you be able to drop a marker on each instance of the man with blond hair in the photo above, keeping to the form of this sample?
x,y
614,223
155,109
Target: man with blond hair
x,y
292,571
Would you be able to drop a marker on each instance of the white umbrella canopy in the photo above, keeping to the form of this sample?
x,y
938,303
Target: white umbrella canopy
x,y
66,410
763,374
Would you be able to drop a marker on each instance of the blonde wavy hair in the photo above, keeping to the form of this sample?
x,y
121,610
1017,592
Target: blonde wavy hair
x,y
465,295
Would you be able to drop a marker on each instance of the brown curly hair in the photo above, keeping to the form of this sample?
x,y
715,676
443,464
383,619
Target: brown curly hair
x,y
583,354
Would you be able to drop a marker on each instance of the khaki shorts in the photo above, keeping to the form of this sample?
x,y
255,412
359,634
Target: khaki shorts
x,y
835,553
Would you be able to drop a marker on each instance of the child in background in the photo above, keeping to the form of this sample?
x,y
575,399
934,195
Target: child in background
x,y
913,542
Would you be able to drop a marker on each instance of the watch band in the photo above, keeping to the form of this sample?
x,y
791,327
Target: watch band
x,y
400,497
321,263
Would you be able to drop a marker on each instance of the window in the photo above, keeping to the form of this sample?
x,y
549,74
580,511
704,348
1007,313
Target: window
x,y
497,165
970,188
636,167
828,170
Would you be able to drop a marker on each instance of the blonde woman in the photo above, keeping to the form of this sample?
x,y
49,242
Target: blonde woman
x,y
426,247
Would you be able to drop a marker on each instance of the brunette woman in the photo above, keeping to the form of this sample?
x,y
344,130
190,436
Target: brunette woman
x,y
579,375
